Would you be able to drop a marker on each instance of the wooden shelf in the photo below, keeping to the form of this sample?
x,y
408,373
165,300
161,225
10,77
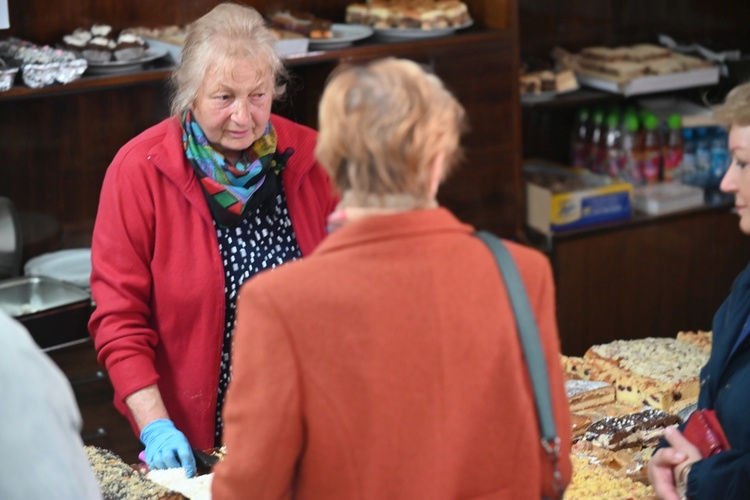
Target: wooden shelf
x,y
159,70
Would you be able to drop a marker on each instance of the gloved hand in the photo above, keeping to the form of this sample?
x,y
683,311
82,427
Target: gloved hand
x,y
166,447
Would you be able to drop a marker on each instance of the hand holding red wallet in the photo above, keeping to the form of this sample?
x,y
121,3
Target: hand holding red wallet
x,y
704,431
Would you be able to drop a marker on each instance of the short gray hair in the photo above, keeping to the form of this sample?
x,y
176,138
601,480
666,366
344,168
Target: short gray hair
x,y
227,33
382,124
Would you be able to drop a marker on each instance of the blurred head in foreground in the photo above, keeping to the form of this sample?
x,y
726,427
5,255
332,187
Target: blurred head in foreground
x,y
389,134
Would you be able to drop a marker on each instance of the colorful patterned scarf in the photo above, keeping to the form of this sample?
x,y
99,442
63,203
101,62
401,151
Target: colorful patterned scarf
x,y
230,189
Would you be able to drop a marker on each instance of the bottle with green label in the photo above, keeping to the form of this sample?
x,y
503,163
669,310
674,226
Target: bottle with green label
x,y
673,149
632,149
651,158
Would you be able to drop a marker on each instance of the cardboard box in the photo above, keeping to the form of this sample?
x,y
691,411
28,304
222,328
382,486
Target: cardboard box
x,y
560,198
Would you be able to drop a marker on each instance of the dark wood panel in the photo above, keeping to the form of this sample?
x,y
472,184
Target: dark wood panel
x,y
651,279
55,149
574,24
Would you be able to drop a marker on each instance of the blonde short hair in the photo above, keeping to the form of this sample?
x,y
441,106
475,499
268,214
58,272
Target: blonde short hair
x,y
229,32
736,107
381,125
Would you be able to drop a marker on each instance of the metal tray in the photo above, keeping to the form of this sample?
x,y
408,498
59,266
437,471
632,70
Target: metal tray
x,y
28,295
54,312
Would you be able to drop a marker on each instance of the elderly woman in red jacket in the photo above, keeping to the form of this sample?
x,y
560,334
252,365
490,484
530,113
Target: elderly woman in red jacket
x,y
387,363
189,210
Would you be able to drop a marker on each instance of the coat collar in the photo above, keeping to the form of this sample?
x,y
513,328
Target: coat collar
x,y
736,310
397,226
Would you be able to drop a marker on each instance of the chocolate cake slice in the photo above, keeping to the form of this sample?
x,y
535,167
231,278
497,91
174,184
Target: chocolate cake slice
x,y
640,429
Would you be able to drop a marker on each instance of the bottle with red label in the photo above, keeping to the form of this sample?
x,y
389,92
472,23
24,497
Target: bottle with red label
x,y
652,152
673,149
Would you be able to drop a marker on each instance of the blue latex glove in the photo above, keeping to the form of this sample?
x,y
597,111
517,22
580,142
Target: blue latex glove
x,y
166,447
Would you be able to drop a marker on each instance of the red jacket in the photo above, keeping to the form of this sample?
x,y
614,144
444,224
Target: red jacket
x,y
386,365
157,277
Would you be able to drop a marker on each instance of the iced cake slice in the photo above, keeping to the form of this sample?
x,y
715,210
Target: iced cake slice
x,y
584,394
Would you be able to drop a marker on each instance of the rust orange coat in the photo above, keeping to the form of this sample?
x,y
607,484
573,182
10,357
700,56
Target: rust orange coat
x,y
386,365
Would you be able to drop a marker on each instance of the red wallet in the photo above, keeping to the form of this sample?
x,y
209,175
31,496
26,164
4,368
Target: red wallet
x,y
704,431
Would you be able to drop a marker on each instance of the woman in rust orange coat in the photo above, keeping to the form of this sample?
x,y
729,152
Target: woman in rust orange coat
x,y
387,363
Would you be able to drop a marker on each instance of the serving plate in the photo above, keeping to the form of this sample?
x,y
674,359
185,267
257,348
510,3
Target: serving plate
x,y
72,266
114,67
342,35
417,33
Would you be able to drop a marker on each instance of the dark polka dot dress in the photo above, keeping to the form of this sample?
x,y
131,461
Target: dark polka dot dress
x,y
263,240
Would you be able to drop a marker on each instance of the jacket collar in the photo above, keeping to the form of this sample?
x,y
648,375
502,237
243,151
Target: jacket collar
x,y
168,157
735,315
402,225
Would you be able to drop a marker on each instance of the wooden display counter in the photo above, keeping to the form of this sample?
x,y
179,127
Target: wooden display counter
x,y
650,276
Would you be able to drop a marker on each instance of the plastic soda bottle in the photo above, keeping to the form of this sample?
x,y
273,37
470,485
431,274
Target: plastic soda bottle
x,y
719,157
613,154
596,142
651,159
579,142
632,149
702,156
689,159
673,149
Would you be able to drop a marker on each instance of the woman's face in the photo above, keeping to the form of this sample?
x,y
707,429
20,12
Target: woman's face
x,y
233,106
737,178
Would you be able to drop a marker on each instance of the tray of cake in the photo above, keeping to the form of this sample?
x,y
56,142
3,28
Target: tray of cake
x,y
410,19
622,396
119,480
642,68
294,31
546,84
